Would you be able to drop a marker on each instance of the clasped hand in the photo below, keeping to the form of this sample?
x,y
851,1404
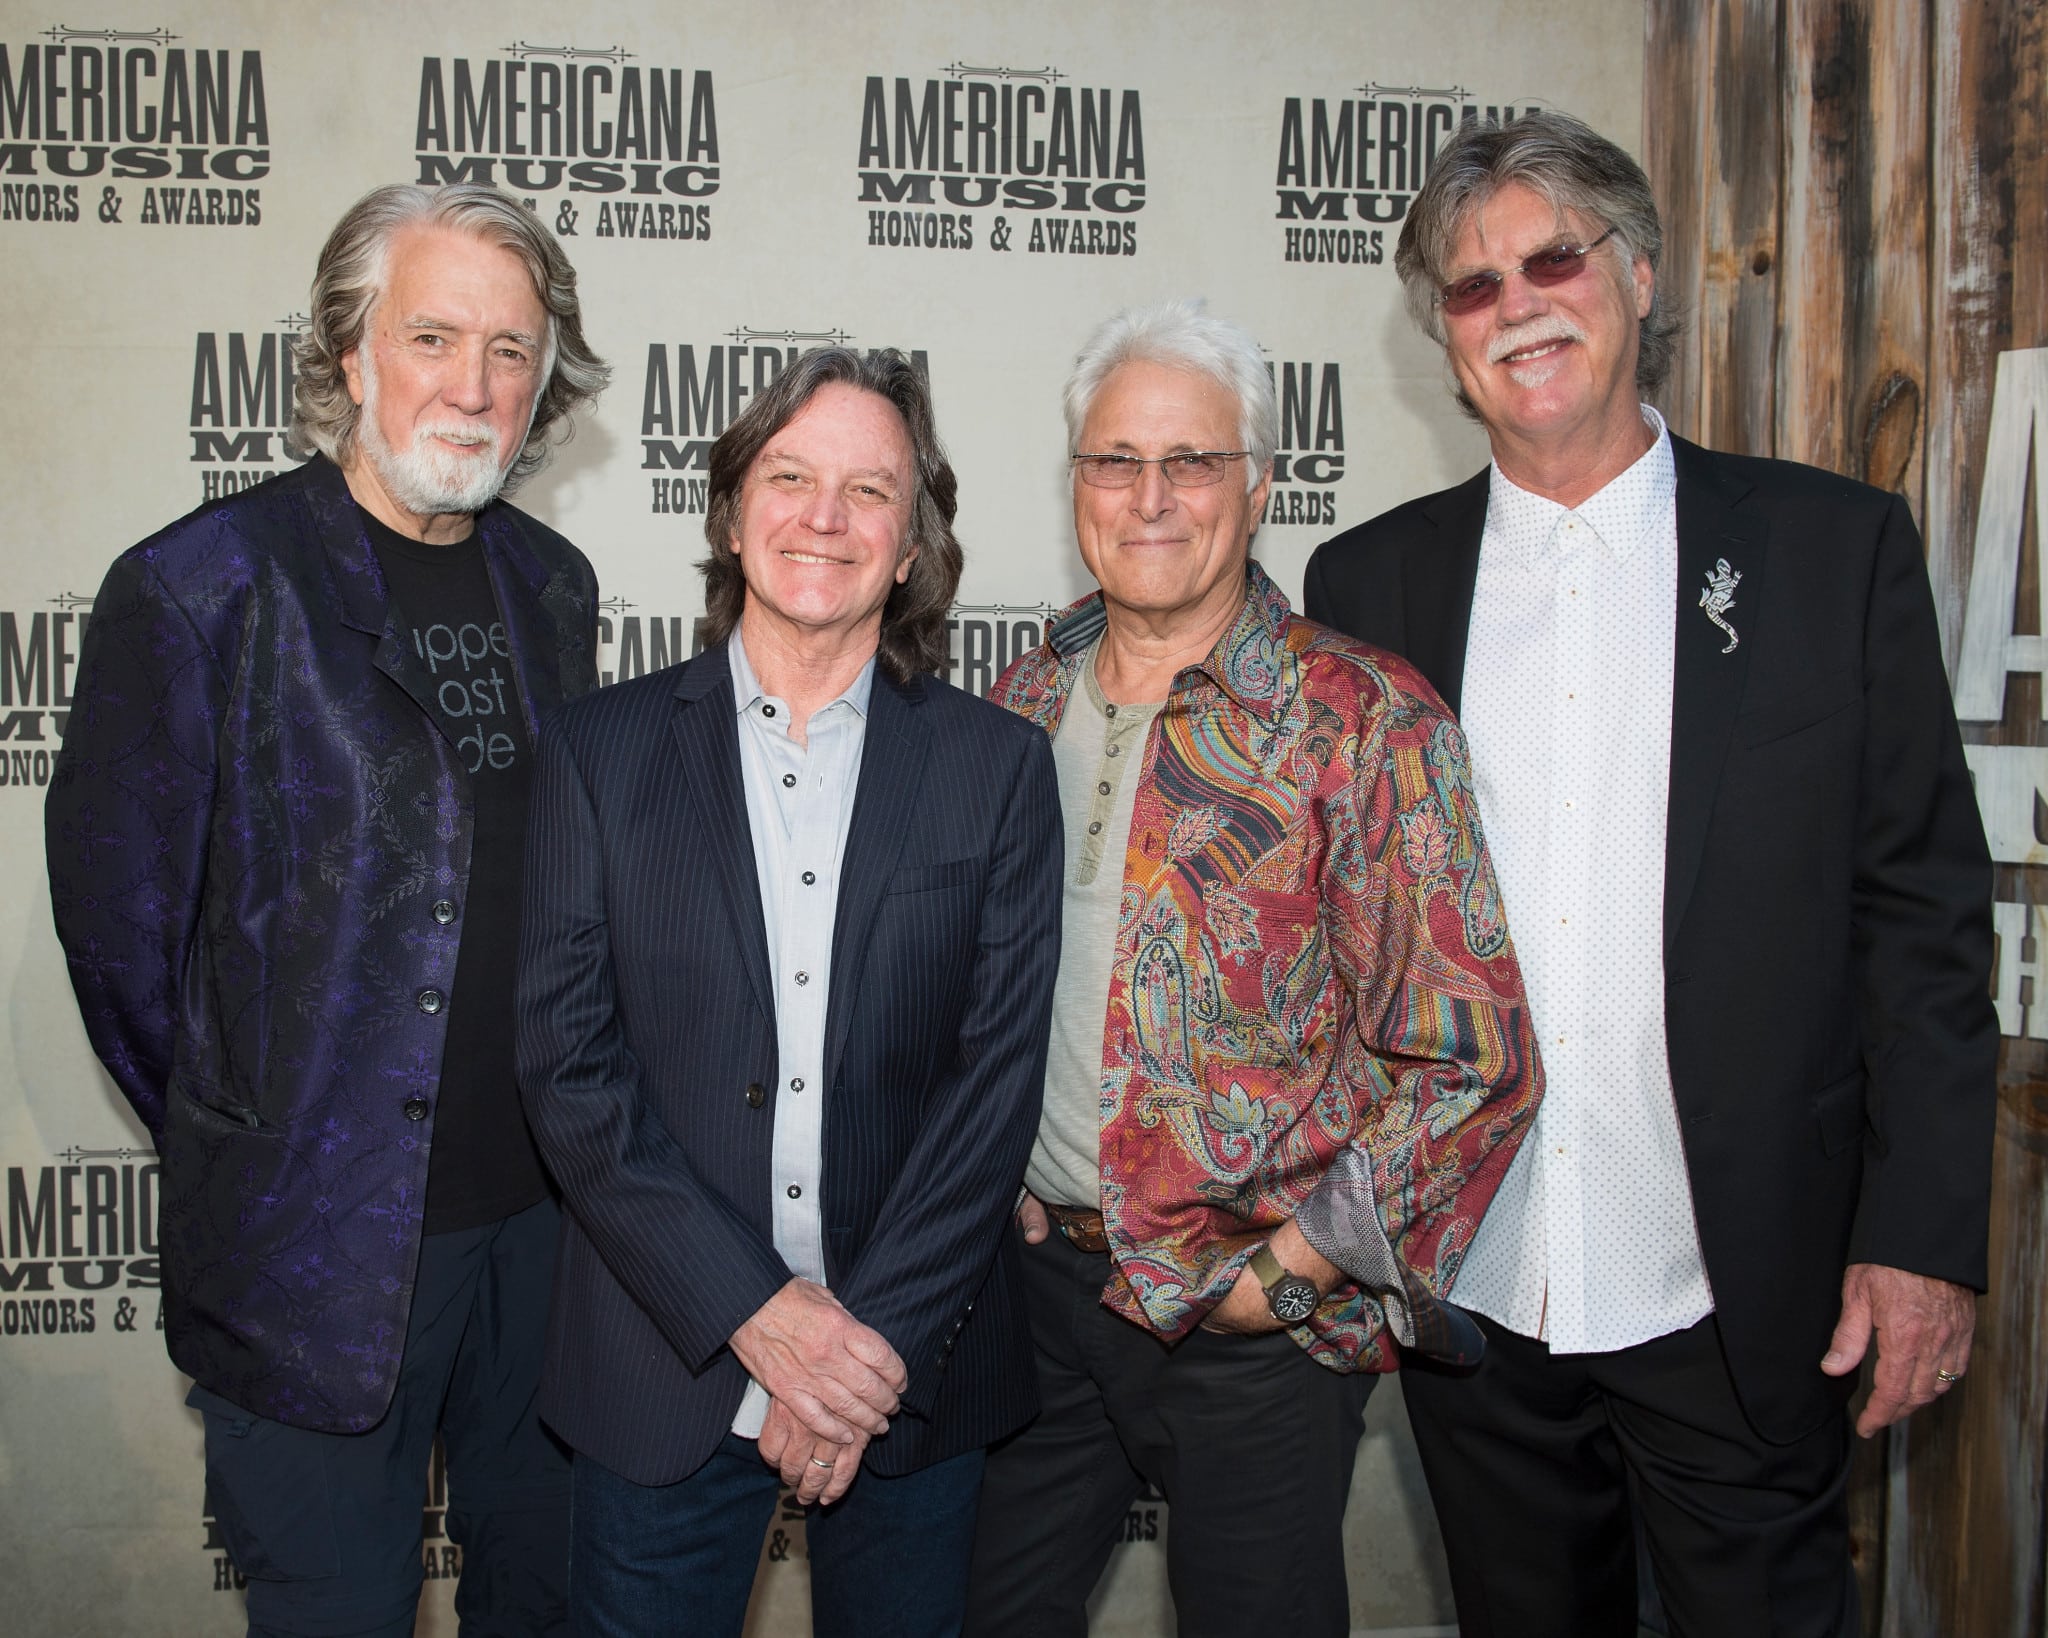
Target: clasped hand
x,y
833,1381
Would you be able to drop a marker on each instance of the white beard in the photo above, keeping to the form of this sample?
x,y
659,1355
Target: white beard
x,y
430,478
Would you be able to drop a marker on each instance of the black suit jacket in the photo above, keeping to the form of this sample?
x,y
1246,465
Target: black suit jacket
x,y
1827,891
647,1054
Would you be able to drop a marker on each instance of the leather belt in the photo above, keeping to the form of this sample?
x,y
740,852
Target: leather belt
x,y
1083,1229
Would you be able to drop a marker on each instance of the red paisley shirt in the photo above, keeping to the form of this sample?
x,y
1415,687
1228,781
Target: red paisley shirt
x,y
1315,1010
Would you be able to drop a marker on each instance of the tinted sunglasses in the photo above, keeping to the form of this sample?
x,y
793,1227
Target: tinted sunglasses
x,y
1552,265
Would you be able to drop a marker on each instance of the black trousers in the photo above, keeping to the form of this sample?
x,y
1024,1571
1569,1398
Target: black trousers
x,y
326,1526
1251,1442
1541,1466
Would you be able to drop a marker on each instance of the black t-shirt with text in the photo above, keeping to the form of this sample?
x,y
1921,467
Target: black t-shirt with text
x,y
484,1165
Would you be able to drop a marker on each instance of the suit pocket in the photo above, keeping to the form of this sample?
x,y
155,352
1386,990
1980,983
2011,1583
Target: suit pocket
x,y
1779,719
220,1115
1838,1107
930,878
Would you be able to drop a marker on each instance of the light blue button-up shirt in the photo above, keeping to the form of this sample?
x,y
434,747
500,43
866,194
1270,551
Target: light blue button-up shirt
x,y
799,807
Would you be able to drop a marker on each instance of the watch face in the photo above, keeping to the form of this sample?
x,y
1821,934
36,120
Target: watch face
x,y
1292,1299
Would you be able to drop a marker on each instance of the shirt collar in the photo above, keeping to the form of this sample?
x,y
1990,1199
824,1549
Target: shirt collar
x,y
747,691
1620,515
1247,661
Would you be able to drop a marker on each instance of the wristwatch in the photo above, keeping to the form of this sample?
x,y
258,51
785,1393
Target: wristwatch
x,y
1291,1298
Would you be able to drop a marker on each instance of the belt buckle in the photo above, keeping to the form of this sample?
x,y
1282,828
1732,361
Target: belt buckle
x,y
1078,1232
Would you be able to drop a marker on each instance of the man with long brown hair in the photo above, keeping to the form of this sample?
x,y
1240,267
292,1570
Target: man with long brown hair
x,y
792,925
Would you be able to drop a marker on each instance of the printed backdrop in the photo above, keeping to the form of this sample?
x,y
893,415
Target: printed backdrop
x,y
976,184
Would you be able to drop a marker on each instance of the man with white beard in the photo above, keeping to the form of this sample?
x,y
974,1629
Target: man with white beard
x,y
285,836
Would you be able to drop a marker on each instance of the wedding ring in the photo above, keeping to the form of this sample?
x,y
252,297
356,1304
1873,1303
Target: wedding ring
x,y
816,1463
1947,1376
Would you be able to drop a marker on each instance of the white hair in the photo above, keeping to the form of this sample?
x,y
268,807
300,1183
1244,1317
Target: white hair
x,y
1181,336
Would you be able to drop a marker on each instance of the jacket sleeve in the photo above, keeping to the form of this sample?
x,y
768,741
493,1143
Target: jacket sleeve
x,y
676,1245
1922,940
958,1185
127,821
1442,1052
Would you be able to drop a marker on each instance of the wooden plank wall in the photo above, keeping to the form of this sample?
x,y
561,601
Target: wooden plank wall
x,y
1856,205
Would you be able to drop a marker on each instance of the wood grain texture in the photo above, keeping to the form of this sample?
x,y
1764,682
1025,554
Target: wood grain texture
x,y
1854,287
1968,1523
1678,106
1982,98
1741,241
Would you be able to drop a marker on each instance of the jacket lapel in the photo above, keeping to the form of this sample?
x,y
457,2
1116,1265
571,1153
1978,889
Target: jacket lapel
x,y
359,586
1437,585
891,786
550,645
706,727
1706,678
544,646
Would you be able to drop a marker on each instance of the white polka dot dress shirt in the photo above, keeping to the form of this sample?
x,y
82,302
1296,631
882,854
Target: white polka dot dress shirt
x,y
1590,1244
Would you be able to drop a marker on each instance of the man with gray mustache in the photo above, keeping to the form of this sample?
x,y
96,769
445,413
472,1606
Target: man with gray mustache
x,y
1713,748
285,837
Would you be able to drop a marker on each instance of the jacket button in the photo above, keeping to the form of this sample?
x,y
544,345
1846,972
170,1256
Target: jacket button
x,y
444,911
415,1108
757,1094
430,1002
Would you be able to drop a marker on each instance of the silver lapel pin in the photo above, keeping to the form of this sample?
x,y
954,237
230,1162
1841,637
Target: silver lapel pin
x,y
1719,598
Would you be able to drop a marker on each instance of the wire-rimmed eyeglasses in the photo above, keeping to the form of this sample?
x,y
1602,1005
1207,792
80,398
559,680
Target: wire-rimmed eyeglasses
x,y
1186,469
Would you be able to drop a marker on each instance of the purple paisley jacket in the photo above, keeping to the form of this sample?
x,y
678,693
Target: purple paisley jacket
x,y
1314,1010
259,845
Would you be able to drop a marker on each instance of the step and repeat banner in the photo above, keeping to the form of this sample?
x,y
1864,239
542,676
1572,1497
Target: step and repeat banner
x,y
975,184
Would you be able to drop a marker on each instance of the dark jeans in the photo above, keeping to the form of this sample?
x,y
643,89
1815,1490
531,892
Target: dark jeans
x,y
888,1560
326,1526
1250,1440
1542,1464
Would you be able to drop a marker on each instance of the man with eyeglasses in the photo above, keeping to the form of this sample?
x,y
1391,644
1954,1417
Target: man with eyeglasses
x,y
1290,1054
1713,744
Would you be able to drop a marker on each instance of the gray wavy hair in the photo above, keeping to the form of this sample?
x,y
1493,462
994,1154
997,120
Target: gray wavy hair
x,y
1564,161
1181,336
350,281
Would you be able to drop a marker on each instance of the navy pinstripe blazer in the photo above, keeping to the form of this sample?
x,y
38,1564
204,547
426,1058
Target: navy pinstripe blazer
x,y
647,1055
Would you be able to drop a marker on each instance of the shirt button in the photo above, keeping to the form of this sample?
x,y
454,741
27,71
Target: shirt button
x,y
1095,829
788,781
795,1192
803,978
1102,789
430,1001
444,911
1109,710
796,1083
810,878
757,1094
767,710
415,1108
1113,750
